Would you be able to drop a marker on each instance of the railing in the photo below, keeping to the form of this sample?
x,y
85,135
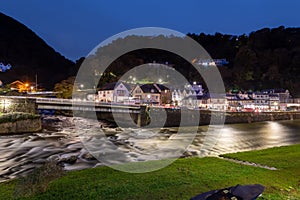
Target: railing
x,y
79,102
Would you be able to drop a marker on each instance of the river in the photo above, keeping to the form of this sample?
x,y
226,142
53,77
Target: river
x,y
60,140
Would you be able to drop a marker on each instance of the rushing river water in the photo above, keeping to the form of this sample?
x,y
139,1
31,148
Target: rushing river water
x,y
61,141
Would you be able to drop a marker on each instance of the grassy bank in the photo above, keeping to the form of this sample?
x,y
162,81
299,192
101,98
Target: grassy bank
x,y
183,179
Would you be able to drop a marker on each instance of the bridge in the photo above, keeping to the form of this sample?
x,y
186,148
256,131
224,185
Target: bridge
x,y
82,105
106,111
69,104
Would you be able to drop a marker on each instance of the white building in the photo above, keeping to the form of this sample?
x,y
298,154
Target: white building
x,y
152,94
114,92
206,101
188,90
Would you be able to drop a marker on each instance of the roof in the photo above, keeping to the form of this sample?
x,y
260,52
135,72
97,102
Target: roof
x,y
195,97
149,88
277,90
260,93
111,86
162,87
273,95
215,95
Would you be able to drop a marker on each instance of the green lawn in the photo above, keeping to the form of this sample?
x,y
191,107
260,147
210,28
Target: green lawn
x,y
181,180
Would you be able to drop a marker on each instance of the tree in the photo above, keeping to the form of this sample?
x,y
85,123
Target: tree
x,y
64,89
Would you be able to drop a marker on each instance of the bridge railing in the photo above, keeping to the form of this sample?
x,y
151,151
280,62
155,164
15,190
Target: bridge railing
x,y
79,102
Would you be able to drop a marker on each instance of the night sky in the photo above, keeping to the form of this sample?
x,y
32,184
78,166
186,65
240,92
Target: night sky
x,y
75,27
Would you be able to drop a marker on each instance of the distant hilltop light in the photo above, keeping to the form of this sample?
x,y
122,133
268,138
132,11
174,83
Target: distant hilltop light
x,y
211,62
4,68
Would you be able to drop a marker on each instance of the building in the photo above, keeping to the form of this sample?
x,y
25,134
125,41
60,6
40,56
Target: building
x,y
152,94
216,101
195,102
239,102
284,95
274,102
178,95
20,86
261,100
114,92
211,62
206,101
251,101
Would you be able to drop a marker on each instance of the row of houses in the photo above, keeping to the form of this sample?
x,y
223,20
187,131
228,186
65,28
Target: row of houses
x,y
152,93
124,93
266,100
193,96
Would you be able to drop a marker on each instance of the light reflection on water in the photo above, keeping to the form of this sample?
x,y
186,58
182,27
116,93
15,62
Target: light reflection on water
x,y
243,137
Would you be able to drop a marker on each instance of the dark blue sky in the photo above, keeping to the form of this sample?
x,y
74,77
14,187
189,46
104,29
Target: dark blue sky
x,y
75,27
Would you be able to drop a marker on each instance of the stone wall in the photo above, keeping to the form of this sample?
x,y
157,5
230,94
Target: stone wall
x,y
10,104
174,117
21,126
259,117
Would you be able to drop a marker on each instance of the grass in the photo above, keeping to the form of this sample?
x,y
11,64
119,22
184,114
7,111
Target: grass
x,y
286,159
181,180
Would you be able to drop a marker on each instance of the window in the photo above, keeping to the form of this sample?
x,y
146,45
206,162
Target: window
x,y
137,91
121,92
